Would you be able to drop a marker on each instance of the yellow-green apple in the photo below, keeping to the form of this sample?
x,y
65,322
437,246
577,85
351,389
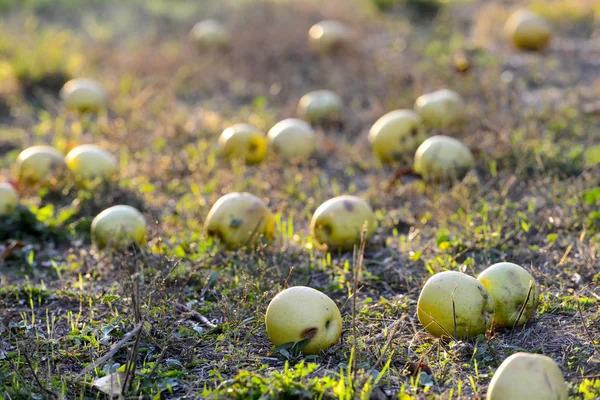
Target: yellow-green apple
x,y
443,159
9,199
338,223
243,141
328,35
292,139
118,227
300,313
528,376
40,165
395,134
210,34
527,30
84,94
320,105
455,305
239,219
89,162
441,109
513,289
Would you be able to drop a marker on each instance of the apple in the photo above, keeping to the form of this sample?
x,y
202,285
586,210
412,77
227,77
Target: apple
x,y
338,222
89,162
528,31
292,138
455,305
243,141
528,376
210,34
441,109
84,94
9,199
508,284
395,134
238,219
301,312
328,35
443,159
40,165
119,227
320,105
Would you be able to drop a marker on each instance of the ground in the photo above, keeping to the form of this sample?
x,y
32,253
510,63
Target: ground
x,y
188,315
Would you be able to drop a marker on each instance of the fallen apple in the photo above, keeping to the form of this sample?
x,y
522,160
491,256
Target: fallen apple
x,y
239,219
443,159
455,305
328,35
528,31
89,162
338,222
395,134
320,105
210,34
514,292
243,141
441,109
528,376
292,138
118,227
40,165
300,313
9,199
84,94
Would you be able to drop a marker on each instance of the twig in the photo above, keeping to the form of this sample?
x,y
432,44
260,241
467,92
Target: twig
x,y
195,314
37,380
285,285
585,328
386,330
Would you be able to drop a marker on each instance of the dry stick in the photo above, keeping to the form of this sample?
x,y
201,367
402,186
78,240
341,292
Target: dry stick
x,y
392,334
522,310
131,362
285,285
358,265
195,314
37,380
585,328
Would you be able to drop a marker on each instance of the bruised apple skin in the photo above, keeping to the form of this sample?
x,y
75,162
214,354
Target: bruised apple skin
x,y
239,219
338,222
84,94
319,106
119,227
473,306
509,284
443,159
528,376
328,35
395,135
89,162
528,31
243,141
40,166
441,109
209,34
301,312
292,139
9,199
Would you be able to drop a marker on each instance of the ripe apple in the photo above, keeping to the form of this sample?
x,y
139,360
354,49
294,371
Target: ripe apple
x,y
395,134
119,227
441,109
9,199
508,284
292,138
210,34
301,312
238,219
40,165
455,305
328,35
84,94
89,162
443,159
338,223
320,105
243,141
528,31
528,376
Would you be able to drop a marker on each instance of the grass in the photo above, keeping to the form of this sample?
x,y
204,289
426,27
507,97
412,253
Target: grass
x,y
187,318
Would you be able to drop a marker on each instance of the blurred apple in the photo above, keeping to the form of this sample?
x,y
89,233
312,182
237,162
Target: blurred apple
x,y
292,138
239,219
395,134
119,227
443,159
320,105
455,305
301,312
210,34
328,35
441,109
338,223
40,165
89,162
9,199
243,141
528,31
84,94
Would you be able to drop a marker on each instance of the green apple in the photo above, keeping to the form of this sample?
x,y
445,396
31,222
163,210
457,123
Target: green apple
x,y
528,376
528,31
338,223
40,165
84,94
9,199
292,139
243,141
119,227
239,219
320,105
509,284
443,159
210,34
395,134
455,305
441,109
89,162
301,312
328,35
